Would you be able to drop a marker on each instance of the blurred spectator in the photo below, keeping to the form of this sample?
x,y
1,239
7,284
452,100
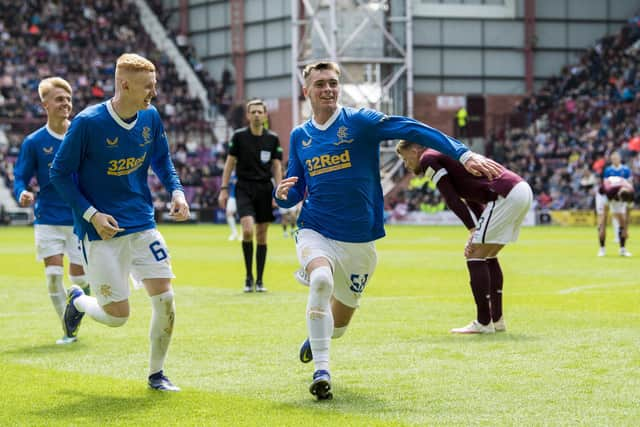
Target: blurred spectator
x,y
81,40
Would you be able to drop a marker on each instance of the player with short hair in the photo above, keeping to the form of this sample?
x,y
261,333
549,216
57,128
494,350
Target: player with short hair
x,y
334,160
53,225
256,155
110,147
492,210
615,194
615,169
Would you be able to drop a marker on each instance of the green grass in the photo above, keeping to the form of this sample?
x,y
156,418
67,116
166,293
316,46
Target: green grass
x,y
570,357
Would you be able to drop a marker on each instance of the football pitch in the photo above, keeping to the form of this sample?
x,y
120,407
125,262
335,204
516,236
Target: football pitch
x,y
570,356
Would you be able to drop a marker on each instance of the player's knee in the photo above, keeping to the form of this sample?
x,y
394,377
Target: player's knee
x,y
115,321
80,280
118,310
163,314
321,282
54,270
54,276
338,332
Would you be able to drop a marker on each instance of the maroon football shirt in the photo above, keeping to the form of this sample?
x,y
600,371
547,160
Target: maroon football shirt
x,y
455,183
611,186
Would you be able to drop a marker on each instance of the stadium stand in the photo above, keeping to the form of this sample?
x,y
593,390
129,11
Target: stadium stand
x,y
564,133
80,41
576,120
558,138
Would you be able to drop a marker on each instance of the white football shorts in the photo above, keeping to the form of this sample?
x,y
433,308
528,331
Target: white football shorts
x,y
57,239
501,220
353,264
615,206
292,209
232,206
144,255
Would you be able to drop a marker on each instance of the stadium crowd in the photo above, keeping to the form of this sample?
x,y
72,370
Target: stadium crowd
x,y
577,120
569,129
80,41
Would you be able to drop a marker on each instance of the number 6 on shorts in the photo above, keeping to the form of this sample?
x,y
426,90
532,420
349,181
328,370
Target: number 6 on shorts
x,y
158,251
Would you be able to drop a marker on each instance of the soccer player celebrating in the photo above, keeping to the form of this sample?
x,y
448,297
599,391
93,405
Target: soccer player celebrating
x,y
110,147
334,159
500,205
53,218
615,194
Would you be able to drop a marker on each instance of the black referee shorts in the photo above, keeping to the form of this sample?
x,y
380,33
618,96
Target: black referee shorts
x,y
254,199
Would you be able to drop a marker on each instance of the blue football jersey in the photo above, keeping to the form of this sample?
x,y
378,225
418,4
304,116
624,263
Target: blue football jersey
x,y
621,171
36,155
338,168
111,158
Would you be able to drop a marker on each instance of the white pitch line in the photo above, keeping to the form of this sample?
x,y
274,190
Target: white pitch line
x,y
585,287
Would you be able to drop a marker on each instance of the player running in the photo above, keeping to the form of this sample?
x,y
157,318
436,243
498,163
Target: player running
x,y
334,159
110,147
53,225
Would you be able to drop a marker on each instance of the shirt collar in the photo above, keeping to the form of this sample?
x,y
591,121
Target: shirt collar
x,y
117,119
54,134
329,122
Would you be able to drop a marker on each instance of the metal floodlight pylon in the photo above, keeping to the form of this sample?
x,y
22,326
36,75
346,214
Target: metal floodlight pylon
x,y
316,34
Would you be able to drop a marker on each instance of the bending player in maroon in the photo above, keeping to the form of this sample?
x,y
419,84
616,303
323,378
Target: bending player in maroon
x,y
618,193
492,211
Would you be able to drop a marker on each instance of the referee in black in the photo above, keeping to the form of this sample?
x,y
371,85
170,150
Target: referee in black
x,y
256,155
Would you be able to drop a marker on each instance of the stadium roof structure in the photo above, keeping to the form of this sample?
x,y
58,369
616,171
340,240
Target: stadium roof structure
x,y
370,40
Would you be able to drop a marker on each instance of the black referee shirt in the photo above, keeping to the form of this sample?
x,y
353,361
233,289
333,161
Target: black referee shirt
x,y
254,154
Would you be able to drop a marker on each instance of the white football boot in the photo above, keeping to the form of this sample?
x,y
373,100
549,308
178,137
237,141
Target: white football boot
x,y
499,325
475,327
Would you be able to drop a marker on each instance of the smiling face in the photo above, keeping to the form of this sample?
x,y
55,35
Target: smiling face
x,y
135,83
322,88
57,103
141,87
